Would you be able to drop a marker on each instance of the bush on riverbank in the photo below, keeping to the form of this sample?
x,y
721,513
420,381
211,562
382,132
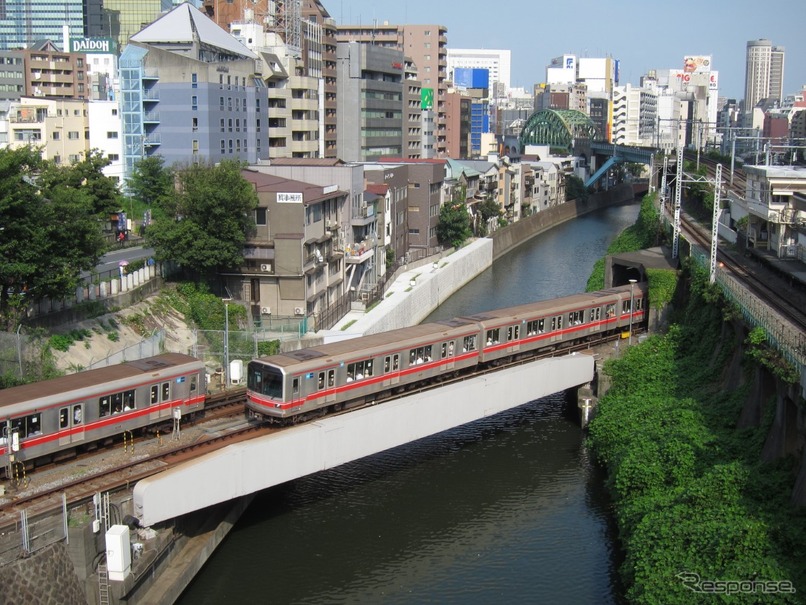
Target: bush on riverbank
x,y
690,494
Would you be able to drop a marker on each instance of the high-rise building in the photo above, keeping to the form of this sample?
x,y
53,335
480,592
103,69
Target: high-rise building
x,y
426,46
764,73
22,22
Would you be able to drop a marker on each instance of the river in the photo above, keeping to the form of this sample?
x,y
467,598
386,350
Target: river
x,y
507,509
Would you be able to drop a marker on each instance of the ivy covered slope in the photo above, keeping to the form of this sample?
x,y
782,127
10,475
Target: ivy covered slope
x,y
690,493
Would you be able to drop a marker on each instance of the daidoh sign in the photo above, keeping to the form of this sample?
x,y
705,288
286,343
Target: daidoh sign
x,y
103,46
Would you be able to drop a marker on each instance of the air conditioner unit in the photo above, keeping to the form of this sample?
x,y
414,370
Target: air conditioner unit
x,y
297,310
266,267
265,310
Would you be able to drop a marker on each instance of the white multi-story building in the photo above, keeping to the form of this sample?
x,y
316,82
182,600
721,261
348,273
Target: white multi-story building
x,y
106,136
497,62
635,113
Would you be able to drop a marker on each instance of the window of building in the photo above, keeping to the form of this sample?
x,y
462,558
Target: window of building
x,y
194,124
113,157
57,135
261,216
194,102
111,134
223,125
73,135
194,80
195,146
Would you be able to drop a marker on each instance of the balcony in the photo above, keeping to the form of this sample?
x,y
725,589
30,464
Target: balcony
x,y
152,117
151,140
358,253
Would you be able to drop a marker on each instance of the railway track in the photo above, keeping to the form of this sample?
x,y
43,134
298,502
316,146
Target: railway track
x,y
775,292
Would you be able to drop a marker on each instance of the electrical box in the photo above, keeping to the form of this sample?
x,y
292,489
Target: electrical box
x,y
236,370
118,552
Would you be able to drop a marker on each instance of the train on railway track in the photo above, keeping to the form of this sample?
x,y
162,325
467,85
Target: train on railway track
x,y
54,418
298,385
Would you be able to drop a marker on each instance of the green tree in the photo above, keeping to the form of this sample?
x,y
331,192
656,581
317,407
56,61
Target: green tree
x,y
50,231
204,226
487,210
454,224
575,189
87,175
151,182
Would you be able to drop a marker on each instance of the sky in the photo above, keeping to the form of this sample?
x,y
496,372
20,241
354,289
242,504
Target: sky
x,y
642,34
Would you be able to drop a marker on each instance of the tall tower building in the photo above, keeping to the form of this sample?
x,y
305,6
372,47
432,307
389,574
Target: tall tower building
x,y
764,75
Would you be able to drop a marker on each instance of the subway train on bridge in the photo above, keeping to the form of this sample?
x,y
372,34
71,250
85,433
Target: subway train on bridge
x,y
297,385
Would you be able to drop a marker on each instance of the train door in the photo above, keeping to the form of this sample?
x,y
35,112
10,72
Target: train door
x,y
556,328
160,394
391,368
595,317
331,385
447,350
514,338
71,417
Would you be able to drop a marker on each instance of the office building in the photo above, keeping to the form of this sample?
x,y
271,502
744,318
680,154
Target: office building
x,y
23,22
190,92
427,47
498,64
370,102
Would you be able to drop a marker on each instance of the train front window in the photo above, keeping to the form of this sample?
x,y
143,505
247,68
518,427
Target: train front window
x,y
265,380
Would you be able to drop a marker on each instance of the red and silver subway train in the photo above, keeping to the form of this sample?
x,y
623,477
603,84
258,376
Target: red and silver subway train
x,y
312,381
44,419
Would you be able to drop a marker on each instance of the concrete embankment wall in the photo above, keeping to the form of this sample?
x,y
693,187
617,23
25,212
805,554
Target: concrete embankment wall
x,y
431,287
512,236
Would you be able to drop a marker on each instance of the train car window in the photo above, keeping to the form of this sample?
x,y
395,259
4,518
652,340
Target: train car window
x,y
117,403
64,418
639,304
359,370
320,383
493,337
193,383
155,392
391,363
18,426
103,406
419,355
33,424
513,333
450,349
166,391
395,362
295,387
536,326
576,318
553,324
596,314
625,306
78,414
331,378
610,310
469,344
387,364
128,400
